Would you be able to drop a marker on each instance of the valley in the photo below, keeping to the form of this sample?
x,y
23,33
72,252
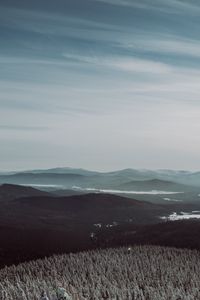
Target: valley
x,y
38,222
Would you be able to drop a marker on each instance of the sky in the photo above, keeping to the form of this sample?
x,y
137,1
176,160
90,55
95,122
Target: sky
x,y
100,84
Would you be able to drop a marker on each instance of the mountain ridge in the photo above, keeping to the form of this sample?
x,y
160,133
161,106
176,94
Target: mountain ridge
x,y
178,176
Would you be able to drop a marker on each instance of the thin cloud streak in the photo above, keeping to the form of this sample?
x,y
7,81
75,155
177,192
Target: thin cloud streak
x,y
169,45
54,24
124,64
170,6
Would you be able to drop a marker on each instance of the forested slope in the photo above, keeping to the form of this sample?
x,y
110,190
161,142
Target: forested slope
x,y
142,273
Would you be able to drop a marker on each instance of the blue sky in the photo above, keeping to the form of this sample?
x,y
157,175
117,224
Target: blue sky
x,y
100,84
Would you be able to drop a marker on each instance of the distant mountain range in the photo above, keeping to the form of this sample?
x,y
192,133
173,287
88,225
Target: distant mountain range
x,y
155,186
67,177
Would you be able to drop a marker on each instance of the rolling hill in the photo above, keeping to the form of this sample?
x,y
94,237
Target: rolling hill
x,y
41,225
32,227
48,179
156,184
11,192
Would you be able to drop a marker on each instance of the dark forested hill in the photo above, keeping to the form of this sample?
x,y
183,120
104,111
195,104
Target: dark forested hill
x,y
11,192
38,226
32,227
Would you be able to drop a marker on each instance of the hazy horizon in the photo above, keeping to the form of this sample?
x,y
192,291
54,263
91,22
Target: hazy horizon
x,y
96,170
100,84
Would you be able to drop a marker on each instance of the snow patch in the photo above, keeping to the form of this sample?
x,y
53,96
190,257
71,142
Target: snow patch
x,y
111,191
182,216
99,225
174,200
43,185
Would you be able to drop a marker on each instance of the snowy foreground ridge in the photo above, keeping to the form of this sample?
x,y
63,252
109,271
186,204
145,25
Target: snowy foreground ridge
x,y
60,294
137,273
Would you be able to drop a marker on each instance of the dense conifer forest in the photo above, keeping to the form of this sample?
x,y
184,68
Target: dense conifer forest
x,y
139,272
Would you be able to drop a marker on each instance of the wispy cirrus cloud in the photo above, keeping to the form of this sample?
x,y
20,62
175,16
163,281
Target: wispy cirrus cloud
x,y
126,64
167,45
53,23
171,6
99,83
